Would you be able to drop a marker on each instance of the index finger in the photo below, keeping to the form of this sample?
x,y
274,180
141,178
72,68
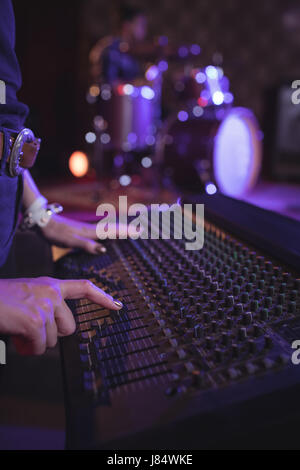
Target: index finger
x,y
80,289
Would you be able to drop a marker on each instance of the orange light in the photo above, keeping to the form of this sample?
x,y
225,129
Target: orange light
x,y
78,164
94,90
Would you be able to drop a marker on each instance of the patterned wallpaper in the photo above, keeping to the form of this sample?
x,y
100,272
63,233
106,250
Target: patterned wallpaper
x,y
257,49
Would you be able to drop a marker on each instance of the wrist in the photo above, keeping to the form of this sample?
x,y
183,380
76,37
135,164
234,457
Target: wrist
x,y
40,213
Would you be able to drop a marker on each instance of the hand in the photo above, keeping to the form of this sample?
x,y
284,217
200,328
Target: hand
x,y
34,311
73,234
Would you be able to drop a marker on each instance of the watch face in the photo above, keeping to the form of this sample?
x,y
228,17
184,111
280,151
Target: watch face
x,y
237,153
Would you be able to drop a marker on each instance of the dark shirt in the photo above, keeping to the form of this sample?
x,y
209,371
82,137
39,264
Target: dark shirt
x,y
12,117
117,65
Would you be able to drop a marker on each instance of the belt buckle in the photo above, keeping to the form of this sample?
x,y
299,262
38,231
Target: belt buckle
x,y
26,135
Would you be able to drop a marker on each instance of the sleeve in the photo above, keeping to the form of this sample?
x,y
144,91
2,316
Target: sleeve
x,y
12,112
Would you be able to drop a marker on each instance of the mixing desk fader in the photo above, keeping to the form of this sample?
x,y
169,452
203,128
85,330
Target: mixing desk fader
x,y
200,355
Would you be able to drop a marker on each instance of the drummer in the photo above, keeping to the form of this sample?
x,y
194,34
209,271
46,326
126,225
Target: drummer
x,y
118,63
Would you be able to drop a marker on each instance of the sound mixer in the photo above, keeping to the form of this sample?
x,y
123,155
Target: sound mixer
x,y
191,321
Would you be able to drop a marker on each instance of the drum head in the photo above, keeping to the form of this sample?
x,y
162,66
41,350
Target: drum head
x,y
237,152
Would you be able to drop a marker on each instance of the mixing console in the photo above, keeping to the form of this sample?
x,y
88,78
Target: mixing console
x,y
202,334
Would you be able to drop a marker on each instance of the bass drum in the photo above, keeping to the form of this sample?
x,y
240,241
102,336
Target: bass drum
x,y
224,150
130,115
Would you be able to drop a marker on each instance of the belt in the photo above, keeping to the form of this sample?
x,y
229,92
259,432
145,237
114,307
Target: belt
x,y
23,150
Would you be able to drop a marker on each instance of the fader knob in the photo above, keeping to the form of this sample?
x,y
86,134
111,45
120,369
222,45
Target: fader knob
x,y
229,301
247,318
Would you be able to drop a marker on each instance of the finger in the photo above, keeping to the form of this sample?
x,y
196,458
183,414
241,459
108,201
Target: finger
x,y
51,333
123,230
65,322
89,245
47,307
23,346
85,289
35,344
89,231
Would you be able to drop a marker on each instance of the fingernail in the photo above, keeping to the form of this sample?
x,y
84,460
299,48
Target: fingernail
x,y
118,303
101,249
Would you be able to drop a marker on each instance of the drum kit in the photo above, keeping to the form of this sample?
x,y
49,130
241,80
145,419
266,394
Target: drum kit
x,y
197,139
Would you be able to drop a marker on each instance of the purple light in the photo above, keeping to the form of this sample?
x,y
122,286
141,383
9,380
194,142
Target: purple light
x,y
163,65
146,162
205,94
163,40
183,51
152,72
182,116
128,89
118,161
228,98
198,111
150,140
125,180
132,137
211,189
218,98
220,72
147,93
211,72
260,135
237,153
200,77
195,49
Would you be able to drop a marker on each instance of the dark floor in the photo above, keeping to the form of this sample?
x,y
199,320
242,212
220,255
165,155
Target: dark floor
x,y
31,402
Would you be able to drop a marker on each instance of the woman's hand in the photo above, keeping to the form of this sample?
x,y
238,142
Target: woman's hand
x,y
73,234
66,232
35,314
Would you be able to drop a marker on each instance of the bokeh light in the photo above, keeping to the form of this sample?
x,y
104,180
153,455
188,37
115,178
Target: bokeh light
x,y
198,111
182,116
146,162
211,72
200,77
90,137
128,89
183,51
147,92
195,49
163,65
78,164
105,138
211,189
218,98
125,180
152,72
94,90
